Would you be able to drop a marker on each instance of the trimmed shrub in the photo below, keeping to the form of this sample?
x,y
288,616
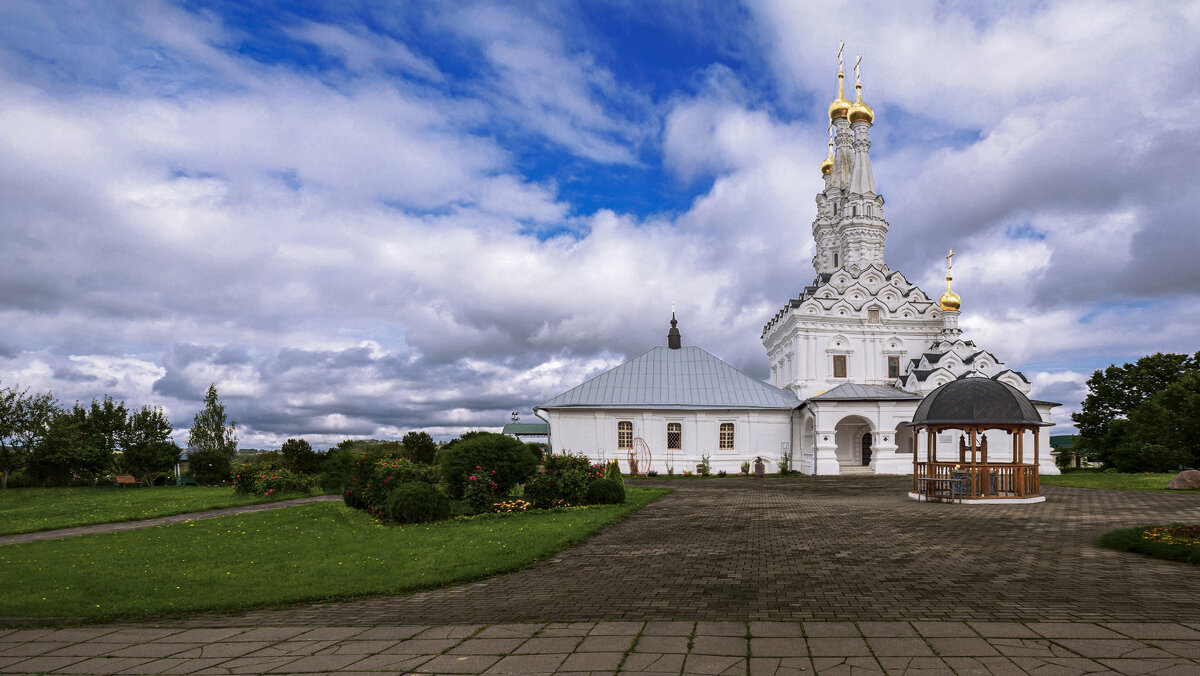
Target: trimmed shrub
x,y
605,492
512,460
417,502
264,481
613,472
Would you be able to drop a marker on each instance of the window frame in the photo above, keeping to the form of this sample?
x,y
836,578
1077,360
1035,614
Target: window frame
x,y
845,363
721,431
625,426
679,436
893,367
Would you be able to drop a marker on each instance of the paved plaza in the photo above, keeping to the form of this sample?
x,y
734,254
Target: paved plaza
x,y
735,576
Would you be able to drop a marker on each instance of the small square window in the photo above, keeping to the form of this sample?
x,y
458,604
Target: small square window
x,y
873,316
839,366
893,367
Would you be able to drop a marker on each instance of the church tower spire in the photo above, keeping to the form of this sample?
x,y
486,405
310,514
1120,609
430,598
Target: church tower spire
x,y
674,339
849,229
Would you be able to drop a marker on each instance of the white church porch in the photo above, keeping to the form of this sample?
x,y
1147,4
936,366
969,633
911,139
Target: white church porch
x,y
856,426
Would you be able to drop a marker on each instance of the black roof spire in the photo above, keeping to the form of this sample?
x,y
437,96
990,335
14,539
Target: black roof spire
x,y
674,340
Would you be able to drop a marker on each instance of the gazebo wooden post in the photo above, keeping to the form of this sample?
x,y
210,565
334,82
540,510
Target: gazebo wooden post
x,y
916,436
1035,446
974,467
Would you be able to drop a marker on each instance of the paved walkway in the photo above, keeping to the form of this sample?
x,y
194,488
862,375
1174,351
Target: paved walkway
x,y
158,521
821,549
745,649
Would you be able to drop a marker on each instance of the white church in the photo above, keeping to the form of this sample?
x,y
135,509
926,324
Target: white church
x,y
852,356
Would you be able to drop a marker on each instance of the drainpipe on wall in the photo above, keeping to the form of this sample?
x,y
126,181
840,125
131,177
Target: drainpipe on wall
x,y
549,432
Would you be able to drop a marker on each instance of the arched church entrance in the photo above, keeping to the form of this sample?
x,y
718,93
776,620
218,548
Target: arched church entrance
x,y
854,435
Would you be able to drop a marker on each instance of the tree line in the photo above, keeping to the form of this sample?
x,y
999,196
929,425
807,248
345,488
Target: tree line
x,y
57,445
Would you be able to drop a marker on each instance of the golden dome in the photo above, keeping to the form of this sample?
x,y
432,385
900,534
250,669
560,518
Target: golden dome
x,y
841,105
827,165
949,301
860,111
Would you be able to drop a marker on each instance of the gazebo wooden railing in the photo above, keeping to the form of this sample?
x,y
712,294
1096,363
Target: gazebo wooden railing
x,y
991,480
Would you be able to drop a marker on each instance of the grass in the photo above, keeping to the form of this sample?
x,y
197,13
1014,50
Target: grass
x,y
25,510
1132,540
1112,481
308,553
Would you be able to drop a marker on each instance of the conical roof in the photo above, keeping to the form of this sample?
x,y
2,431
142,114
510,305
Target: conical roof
x,y
683,378
977,401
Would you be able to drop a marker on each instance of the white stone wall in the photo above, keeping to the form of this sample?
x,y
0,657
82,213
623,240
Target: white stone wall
x,y
594,433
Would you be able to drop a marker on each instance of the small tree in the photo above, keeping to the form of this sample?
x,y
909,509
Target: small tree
x,y
146,446
24,421
419,447
71,449
299,456
211,442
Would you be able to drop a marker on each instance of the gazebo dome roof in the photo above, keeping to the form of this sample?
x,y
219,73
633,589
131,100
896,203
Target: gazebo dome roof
x,y
977,401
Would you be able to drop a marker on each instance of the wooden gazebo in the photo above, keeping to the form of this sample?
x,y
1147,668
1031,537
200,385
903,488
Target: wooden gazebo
x,y
973,407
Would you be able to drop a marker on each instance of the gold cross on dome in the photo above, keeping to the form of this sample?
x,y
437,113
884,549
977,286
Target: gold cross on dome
x,y
841,46
950,260
857,63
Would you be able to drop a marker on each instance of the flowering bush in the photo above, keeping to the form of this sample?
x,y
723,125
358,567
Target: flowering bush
x,y
513,461
511,506
1174,535
372,482
480,490
251,481
563,480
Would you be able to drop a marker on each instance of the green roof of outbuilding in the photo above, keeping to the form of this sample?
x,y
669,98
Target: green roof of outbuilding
x,y
527,428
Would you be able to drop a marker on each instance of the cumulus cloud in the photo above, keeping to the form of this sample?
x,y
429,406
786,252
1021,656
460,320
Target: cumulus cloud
x,y
372,244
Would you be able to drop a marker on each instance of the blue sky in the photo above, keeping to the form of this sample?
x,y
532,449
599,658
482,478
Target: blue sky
x,y
364,218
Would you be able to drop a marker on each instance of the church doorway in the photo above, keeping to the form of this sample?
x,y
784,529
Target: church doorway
x,y
854,436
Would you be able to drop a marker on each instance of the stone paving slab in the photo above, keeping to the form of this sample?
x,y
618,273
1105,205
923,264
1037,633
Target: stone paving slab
x,y
782,648
58,534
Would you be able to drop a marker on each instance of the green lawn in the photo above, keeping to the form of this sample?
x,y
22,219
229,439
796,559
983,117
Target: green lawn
x,y
1114,481
24,510
308,553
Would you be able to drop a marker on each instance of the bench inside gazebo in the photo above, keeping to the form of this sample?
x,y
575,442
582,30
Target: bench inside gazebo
x,y
973,407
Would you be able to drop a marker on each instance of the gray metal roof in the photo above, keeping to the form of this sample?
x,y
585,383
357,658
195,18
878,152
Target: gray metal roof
x,y
854,391
686,378
531,429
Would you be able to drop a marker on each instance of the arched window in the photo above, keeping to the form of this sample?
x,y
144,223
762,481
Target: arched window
x,y
625,434
674,436
726,440
835,260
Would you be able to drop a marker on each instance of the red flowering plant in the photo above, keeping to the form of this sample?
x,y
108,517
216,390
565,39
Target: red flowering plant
x,y
480,489
372,481
563,479
251,480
